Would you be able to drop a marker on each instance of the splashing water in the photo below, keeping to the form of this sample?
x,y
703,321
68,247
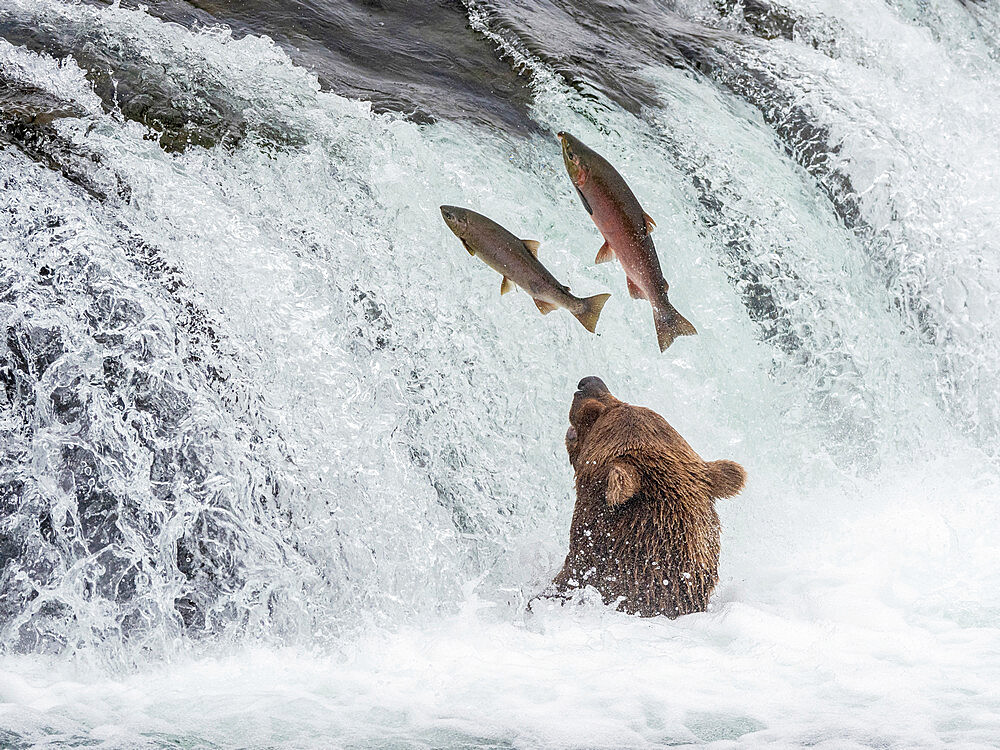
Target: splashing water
x,y
280,467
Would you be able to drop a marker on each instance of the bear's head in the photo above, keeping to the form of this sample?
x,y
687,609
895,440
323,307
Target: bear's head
x,y
617,443
591,400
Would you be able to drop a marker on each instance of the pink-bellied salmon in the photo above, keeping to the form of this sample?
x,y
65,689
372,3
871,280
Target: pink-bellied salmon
x,y
626,229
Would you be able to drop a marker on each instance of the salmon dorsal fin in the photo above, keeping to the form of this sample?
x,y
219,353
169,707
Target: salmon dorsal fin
x,y
605,254
649,222
532,246
544,307
506,286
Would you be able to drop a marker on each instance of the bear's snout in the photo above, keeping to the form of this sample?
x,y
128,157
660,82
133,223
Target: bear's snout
x,y
591,386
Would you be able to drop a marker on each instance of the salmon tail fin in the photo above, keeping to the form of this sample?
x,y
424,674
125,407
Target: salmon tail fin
x,y
670,324
591,311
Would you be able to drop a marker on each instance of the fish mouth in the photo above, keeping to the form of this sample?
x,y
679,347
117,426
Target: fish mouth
x,y
571,160
456,218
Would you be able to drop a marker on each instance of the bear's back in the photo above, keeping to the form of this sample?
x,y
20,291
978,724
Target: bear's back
x,y
658,552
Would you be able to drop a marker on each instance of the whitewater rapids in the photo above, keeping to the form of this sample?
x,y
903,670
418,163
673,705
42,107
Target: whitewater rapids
x,y
282,469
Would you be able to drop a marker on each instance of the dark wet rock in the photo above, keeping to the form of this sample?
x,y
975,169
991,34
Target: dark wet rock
x,y
45,631
810,143
11,548
122,457
27,121
137,89
34,348
605,48
113,317
11,492
68,403
191,612
18,388
117,578
32,107
179,117
96,506
419,59
14,741
762,19
160,400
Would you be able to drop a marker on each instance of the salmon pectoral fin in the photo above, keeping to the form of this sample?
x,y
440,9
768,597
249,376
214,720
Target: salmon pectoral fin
x,y
544,307
532,246
591,311
605,254
468,247
649,222
670,324
634,290
506,286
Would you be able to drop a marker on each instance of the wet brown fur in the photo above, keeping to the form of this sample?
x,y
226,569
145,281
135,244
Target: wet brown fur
x,y
645,533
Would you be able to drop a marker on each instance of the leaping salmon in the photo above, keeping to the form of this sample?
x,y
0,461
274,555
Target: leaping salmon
x,y
626,229
517,261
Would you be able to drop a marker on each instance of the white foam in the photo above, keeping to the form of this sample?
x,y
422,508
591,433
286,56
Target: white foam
x,y
423,416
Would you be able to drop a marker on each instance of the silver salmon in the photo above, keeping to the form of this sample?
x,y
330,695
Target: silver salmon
x,y
517,261
626,229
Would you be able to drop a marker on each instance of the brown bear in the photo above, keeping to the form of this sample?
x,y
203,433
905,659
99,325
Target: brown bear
x,y
645,533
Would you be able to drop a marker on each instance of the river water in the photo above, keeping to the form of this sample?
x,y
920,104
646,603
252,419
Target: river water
x,y
280,468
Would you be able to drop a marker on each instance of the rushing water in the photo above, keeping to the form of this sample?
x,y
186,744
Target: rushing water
x,y
280,468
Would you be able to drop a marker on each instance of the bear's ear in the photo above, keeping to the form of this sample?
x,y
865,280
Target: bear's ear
x,y
623,483
725,478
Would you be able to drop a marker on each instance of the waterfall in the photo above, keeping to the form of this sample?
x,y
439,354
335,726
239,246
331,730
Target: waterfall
x,y
280,467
